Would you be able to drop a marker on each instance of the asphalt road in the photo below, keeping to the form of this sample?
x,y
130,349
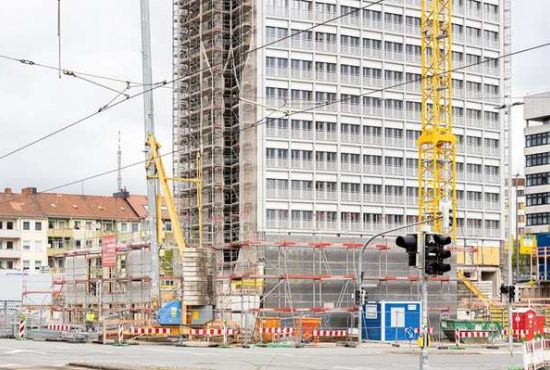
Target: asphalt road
x,y
55,355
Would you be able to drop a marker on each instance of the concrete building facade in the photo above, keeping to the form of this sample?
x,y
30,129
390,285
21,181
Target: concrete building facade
x,y
313,137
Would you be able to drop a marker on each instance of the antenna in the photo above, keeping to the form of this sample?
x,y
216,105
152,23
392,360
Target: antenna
x,y
119,165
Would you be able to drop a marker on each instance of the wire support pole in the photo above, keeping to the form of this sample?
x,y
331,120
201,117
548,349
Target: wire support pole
x,y
359,278
152,183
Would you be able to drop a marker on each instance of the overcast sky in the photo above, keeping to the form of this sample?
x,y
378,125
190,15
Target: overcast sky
x,y
103,37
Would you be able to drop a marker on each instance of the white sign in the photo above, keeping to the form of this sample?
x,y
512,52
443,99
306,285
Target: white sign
x,y
371,312
397,317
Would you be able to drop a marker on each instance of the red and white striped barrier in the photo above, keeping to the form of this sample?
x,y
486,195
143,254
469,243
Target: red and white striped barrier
x,y
278,330
120,333
59,327
22,328
517,332
212,332
419,330
330,333
472,334
150,331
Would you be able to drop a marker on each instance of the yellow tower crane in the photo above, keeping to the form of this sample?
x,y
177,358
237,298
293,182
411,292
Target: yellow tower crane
x,y
436,144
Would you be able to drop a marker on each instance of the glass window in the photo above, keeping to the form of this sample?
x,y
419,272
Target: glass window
x,y
38,226
26,225
135,227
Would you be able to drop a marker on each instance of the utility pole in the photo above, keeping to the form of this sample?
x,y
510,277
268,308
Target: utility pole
x,y
152,183
516,240
509,269
424,301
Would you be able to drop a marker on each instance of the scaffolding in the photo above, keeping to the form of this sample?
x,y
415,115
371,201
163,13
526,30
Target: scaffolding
x,y
122,291
293,281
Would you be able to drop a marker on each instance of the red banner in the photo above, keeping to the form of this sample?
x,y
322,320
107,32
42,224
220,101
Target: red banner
x,y
108,251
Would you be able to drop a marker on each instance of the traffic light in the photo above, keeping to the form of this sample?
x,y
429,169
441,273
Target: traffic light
x,y
361,296
512,294
435,254
510,290
410,243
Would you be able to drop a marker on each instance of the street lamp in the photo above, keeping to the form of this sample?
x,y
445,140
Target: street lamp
x,y
508,108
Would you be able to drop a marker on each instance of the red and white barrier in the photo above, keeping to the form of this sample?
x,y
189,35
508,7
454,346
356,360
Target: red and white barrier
x,y
59,327
120,333
472,334
212,332
419,330
330,333
278,330
148,331
518,332
21,329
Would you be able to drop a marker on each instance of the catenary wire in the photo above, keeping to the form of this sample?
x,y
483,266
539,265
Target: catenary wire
x,y
259,122
165,82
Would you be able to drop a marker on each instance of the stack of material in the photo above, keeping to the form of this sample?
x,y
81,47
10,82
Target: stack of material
x,y
197,276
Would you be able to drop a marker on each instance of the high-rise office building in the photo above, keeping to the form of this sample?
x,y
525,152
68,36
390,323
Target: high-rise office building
x,y
313,137
537,162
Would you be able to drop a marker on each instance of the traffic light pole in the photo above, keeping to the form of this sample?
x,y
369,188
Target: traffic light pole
x,y
359,276
424,302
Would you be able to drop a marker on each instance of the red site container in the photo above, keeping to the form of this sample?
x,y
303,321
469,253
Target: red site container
x,y
527,324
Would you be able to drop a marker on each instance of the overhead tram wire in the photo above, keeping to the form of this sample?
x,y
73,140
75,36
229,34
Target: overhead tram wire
x,y
263,120
168,82
32,63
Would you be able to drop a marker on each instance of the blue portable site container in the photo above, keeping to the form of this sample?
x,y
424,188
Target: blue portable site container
x,y
389,321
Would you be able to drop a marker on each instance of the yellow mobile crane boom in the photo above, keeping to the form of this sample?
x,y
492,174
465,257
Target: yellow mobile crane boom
x,y
436,144
160,174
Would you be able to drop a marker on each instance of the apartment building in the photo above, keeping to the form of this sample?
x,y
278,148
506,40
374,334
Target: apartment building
x,y
537,162
320,128
38,229
23,233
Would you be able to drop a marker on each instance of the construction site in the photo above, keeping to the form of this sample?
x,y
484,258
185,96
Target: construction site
x,y
247,262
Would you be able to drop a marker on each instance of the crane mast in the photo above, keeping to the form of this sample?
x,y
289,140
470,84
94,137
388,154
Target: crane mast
x,y
436,144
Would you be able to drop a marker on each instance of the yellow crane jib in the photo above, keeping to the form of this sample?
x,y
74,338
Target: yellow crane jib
x,y
169,200
436,144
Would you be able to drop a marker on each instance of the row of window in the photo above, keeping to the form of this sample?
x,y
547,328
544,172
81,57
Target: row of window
x,y
538,219
350,103
278,127
6,244
107,226
7,225
326,42
368,159
377,189
9,264
538,179
537,139
369,218
538,199
277,66
538,159
371,18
